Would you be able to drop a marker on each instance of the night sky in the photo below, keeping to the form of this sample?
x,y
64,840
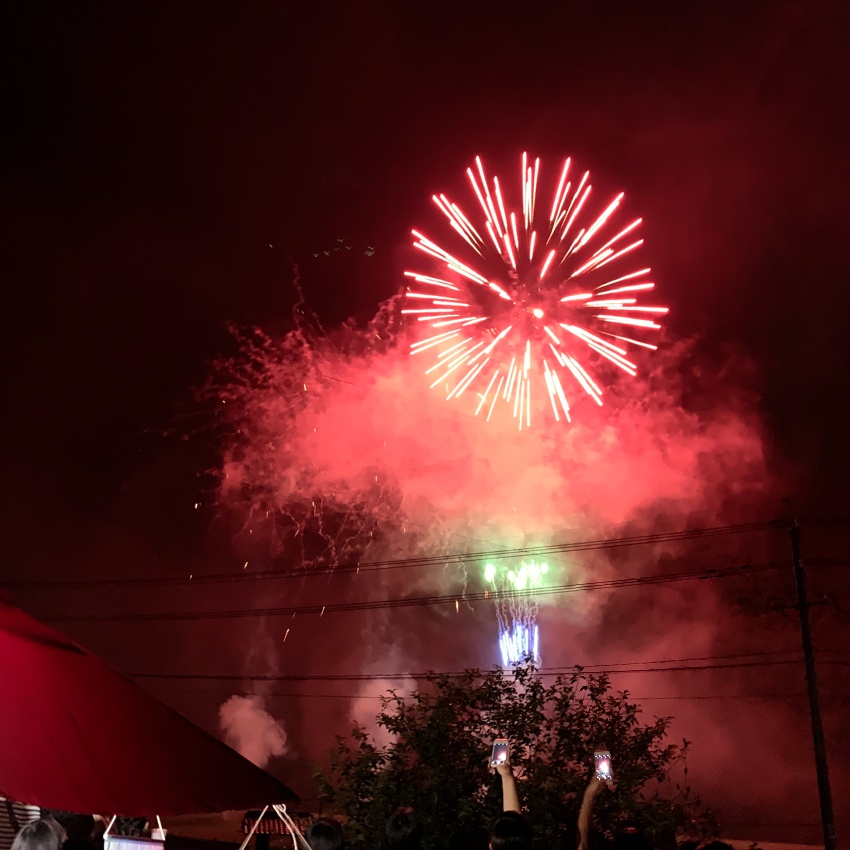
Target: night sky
x,y
166,165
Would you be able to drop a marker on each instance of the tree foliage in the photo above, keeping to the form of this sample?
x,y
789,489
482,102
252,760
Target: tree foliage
x,y
438,760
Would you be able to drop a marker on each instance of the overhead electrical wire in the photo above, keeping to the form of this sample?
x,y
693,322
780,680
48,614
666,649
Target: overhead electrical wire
x,y
302,695
403,563
412,601
735,660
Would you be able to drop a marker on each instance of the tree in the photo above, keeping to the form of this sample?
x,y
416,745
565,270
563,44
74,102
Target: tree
x,y
437,760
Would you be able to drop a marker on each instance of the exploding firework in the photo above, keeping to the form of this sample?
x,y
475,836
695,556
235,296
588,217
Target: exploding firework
x,y
519,634
533,302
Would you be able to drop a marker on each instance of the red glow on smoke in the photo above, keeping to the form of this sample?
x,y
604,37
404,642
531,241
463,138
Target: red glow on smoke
x,y
345,454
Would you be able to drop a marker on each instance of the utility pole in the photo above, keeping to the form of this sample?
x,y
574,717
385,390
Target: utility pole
x,y
824,793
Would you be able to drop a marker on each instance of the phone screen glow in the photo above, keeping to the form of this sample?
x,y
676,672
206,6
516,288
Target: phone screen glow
x,y
500,753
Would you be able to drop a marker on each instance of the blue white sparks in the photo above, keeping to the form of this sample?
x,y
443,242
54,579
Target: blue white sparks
x,y
516,609
520,644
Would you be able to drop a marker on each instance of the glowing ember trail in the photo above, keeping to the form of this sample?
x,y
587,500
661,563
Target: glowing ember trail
x,y
524,304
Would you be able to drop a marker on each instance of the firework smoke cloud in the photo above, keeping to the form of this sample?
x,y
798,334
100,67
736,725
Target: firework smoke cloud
x,y
251,730
340,450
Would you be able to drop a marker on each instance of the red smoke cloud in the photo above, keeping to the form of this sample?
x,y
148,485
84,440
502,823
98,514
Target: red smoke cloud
x,y
341,452
315,423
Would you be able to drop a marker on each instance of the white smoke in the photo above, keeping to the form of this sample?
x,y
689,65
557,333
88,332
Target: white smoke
x,y
251,730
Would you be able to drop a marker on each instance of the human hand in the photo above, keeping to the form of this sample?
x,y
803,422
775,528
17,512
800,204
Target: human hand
x,y
504,769
595,786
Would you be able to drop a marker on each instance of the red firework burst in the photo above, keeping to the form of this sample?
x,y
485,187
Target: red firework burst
x,y
531,305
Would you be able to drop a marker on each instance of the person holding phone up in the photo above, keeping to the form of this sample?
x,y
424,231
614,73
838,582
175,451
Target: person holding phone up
x,y
510,831
602,778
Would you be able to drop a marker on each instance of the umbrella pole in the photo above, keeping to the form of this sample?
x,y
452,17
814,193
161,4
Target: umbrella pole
x,y
296,833
250,835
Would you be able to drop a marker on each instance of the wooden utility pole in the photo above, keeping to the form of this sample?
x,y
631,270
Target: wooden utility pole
x,y
824,793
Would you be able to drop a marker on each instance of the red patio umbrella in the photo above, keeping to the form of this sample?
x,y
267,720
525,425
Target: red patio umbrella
x,y
76,735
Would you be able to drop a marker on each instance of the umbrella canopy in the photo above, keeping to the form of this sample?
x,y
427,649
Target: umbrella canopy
x,y
75,735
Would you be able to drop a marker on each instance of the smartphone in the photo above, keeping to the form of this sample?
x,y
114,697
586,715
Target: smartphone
x,y
602,762
501,749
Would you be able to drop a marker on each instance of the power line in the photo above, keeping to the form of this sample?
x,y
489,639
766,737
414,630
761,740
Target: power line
x,y
416,601
365,677
404,563
766,659
302,695
420,675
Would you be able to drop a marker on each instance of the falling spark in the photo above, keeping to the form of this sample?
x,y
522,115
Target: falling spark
x,y
495,314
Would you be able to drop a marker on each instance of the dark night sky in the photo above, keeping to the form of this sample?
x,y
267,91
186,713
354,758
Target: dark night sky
x,y
164,165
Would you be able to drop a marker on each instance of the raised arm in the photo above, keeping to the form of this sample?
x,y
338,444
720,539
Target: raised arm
x,y
586,811
510,797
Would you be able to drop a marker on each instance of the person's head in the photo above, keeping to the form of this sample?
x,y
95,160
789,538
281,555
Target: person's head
x,y
403,832
510,832
41,834
325,834
631,838
80,828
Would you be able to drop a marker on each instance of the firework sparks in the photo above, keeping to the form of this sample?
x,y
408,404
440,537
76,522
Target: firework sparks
x,y
527,309
519,644
519,635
